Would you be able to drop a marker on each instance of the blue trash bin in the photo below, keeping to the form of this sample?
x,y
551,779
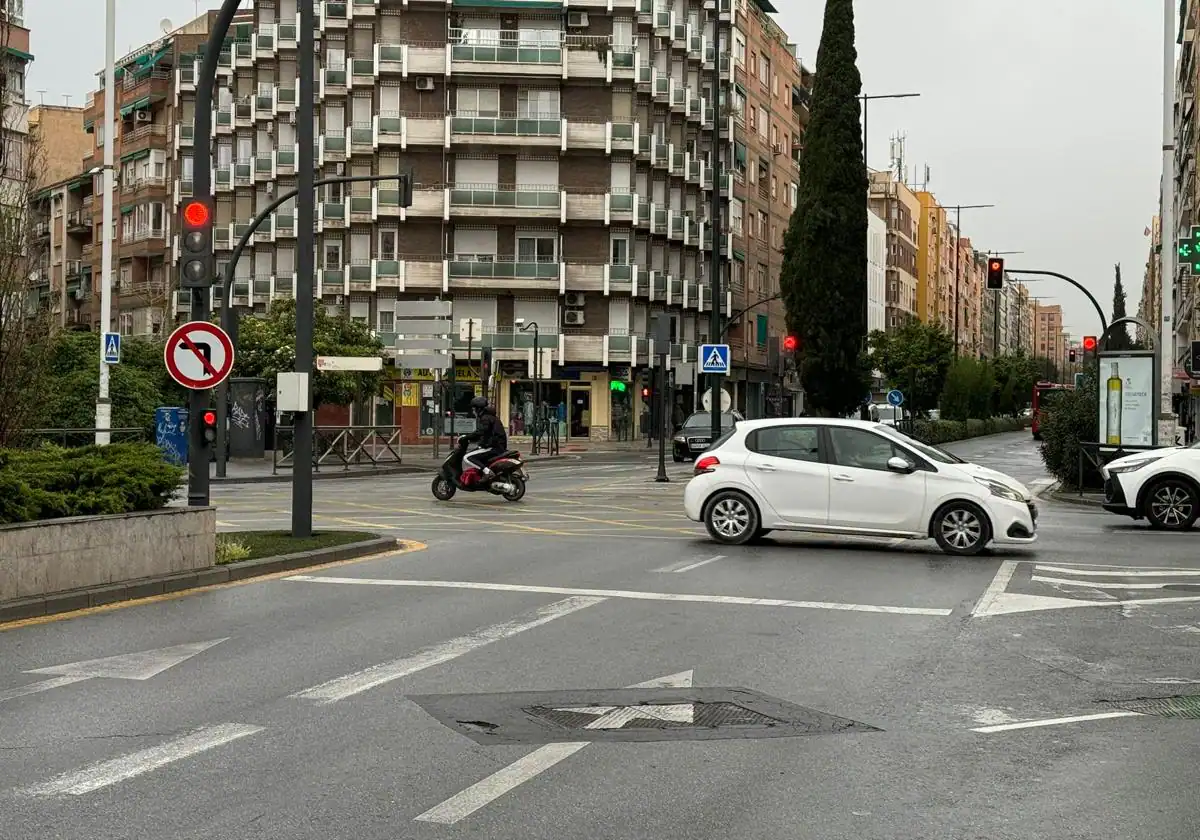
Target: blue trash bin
x,y
171,433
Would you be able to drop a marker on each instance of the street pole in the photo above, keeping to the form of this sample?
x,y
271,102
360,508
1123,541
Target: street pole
x,y
537,389
198,447
1166,343
103,406
662,417
865,99
958,208
714,323
302,468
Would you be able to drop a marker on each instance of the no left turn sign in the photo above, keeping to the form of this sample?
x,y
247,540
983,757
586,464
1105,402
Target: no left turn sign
x,y
199,355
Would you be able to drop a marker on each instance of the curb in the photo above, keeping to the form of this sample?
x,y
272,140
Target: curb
x,y
96,596
1073,498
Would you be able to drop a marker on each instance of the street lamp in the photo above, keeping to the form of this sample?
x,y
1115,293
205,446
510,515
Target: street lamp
x,y
865,98
524,326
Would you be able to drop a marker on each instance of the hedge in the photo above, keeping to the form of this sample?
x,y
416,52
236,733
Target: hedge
x,y
946,431
51,481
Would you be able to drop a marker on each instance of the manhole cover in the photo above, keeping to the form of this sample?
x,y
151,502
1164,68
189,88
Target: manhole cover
x,y
1185,706
658,714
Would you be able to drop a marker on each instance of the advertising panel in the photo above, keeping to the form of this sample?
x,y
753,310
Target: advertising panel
x,y
1126,400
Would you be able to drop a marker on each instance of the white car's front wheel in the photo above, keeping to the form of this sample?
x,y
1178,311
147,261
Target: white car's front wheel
x,y
1171,505
731,518
961,529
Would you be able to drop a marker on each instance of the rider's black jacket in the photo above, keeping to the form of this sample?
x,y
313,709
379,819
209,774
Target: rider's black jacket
x,y
489,432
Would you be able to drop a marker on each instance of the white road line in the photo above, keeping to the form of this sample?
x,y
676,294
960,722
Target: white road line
x,y
1128,573
734,600
996,588
687,565
110,772
34,688
1033,724
377,675
1093,584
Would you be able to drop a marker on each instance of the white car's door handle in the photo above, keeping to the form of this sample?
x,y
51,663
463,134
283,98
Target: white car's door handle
x,y
765,468
842,477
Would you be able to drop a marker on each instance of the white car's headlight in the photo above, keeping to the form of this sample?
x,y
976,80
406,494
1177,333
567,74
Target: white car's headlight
x,y
1001,490
1130,466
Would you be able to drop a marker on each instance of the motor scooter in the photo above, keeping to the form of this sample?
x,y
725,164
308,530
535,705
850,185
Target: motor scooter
x,y
507,479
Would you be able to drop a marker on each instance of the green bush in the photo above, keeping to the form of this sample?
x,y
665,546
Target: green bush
x,y
937,432
50,481
1074,419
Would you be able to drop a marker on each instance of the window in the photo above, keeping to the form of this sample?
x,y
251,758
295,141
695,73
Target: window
x,y
860,449
333,255
763,122
125,278
739,105
473,102
794,193
796,443
537,248
739,47
387,244
762,225
386,320
764,70
532,104
620,250
761,330
735,216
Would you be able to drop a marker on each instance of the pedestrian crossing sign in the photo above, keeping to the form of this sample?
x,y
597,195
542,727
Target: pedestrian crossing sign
x,y
714,358
112,348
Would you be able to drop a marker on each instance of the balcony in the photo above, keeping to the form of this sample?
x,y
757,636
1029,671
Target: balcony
x,y
264,105
285,99
142,138
243,112
243,173
524,201
362,138
583,134
183,135
517,128
185,77
143,242
147,85
286,36
362,8
222,178
333,281
331,214
243,54
80,221
264,168
264,41
284,226
223,120
506,51
362,208
619,207
429,203
144,186
332,14
467,271
390,58
333,82
332,147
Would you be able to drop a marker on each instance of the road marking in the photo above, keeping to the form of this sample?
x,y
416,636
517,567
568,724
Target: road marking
x,y
627,595
131,666
452,517
34,688
1033,724
987,602
351,684
107,773
486,791
1131,572
1096,584
687,565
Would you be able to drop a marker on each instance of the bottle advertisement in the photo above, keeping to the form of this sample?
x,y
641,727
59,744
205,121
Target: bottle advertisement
x,y
1127,401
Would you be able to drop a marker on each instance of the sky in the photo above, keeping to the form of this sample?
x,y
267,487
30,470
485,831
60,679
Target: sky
x,y
1048,109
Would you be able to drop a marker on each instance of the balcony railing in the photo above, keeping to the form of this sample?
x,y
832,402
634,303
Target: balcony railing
x,y
514,124
504,268
521,196
141,234
506,46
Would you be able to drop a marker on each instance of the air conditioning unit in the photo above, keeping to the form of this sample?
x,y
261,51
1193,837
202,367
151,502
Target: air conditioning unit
x,y
142,117
575,299
573,318
425,83
662,43
577,20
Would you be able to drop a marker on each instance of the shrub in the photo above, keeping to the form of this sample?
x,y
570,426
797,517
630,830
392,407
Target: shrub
x,y
51,481
1074,419
230,550
937,432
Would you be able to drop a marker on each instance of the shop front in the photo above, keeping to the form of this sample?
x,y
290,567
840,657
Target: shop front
x,y
582,403
425,404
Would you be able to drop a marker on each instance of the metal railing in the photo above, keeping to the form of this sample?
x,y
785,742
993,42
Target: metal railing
x,y
31,438
348,446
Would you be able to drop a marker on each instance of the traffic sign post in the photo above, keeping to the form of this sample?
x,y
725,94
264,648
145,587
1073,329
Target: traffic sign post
x,y
714,358
199,355
895,397
112,348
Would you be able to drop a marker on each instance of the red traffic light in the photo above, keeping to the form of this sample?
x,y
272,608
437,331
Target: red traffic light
x,y
790,343
209,418
645,392
997,265
195,214
1089,343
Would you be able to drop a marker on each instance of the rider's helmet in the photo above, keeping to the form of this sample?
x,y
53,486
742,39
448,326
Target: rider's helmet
x,y
479,405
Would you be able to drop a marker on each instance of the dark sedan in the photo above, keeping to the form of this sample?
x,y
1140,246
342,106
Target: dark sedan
x,y
695,435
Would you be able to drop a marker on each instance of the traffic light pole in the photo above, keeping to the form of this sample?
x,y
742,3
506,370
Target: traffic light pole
x,y
1075,283
198,447
302,466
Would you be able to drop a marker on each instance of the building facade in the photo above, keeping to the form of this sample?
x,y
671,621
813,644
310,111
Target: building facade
x,y
933,231
877,235
1149,307
894,202
1049,339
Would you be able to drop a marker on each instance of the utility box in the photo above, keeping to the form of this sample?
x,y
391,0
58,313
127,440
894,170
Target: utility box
x,y
247,417
171,433
291,392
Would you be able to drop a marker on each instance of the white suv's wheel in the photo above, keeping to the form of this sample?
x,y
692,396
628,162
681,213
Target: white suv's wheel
x,y
1171,505
731,518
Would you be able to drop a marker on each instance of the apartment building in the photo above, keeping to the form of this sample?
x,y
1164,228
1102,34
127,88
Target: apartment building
x,y
932,232
876,272
1149,309
1183,299
899,206
1049,340
972,279
14,112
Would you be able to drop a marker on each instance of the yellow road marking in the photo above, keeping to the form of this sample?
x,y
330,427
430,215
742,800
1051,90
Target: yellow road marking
x,y
455,518
402,547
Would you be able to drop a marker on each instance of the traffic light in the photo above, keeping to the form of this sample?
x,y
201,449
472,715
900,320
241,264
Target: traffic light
x,y
1090,344
645,392
995,277
790,343
1071,355
196,265
208,425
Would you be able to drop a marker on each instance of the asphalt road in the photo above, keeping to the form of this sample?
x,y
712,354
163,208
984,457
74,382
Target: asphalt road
x,y
301,707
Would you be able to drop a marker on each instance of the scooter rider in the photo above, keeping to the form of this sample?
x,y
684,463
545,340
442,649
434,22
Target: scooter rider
x,y
489,434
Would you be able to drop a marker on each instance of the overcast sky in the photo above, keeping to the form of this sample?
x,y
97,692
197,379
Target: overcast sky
x,y
1049,109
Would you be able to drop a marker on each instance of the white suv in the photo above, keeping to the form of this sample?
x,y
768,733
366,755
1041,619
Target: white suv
x,y
1160,485
834,476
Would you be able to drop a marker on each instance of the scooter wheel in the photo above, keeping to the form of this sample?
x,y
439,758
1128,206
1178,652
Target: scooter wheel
x,y
442,489
518,491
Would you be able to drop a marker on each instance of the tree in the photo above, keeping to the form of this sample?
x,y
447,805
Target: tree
x,y
267,346
969,391
1015,376
1118,339
823,276
916,359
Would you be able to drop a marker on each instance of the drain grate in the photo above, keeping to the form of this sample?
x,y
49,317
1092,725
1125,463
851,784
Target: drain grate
x,y
1184,706
650,716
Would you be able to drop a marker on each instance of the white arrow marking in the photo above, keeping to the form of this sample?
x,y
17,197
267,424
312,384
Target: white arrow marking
x,y
127,666
615,717
462,805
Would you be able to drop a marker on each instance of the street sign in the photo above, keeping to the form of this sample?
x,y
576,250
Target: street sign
x,y
470,329
199,355
895,397
340,364
714,358
112,348
726,400
422,332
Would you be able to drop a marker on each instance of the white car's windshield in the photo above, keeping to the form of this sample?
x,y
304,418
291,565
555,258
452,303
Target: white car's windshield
x,y
930,452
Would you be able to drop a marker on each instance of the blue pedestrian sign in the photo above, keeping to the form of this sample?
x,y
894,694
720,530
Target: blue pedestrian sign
x,y
895,397
112,348
714,358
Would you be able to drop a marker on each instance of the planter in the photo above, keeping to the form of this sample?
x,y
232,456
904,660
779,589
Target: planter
x,y
56,555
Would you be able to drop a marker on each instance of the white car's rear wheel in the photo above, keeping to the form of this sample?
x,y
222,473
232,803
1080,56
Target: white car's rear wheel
x,y
731,518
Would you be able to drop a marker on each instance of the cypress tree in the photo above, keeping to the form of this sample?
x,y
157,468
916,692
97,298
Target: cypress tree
x,y
824,273
1119,338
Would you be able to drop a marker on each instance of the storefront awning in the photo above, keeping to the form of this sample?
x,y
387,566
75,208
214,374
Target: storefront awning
x,y
739,255
18,53
136,105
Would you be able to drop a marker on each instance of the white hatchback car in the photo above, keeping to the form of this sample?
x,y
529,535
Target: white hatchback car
x,y
832,476
1160,485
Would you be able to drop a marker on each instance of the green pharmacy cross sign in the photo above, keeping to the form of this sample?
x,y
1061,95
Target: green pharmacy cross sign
x,y
1189,250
